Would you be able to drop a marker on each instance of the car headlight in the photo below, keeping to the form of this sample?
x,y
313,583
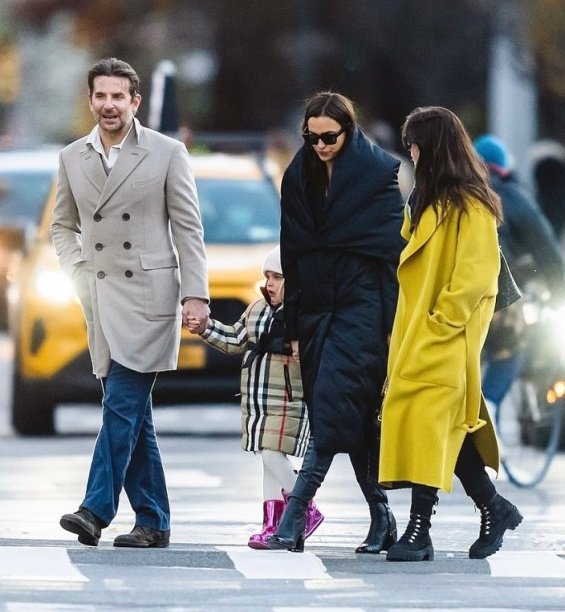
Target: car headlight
x,y
54,286
532,312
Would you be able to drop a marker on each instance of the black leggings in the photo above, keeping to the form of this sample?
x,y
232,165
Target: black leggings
x,y
316,465
470,469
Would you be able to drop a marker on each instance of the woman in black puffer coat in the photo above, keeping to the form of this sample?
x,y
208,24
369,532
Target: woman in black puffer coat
x,y
340,245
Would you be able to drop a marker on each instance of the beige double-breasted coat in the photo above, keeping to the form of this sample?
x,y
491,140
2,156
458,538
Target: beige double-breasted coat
x,y
132,242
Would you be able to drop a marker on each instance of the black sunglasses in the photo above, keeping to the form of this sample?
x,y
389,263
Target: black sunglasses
x,y
328,138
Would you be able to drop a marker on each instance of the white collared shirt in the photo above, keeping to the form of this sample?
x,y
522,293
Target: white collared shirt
x,y
96,142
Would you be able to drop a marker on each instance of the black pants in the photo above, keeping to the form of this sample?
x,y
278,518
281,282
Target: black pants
x,y
316,465
470,470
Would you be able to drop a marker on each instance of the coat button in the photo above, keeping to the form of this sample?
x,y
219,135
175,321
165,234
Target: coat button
x,y
97,217
98,246
126,217
128,273
127,245
101,274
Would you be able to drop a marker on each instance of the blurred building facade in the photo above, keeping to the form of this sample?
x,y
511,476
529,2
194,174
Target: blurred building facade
x,y
249,64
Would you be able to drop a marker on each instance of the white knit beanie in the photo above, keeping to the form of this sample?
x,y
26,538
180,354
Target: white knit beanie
x,y
272,262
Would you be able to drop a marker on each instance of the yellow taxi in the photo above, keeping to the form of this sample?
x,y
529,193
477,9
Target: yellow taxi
x,y
26,175
240,212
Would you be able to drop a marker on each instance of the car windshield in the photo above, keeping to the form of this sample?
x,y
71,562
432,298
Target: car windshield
x,y
239,211
22,194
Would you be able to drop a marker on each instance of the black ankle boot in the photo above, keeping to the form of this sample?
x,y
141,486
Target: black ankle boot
x,y
496,517
382,532
415,543
290,533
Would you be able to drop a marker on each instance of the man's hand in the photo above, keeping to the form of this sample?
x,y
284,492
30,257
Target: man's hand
x,y
195,311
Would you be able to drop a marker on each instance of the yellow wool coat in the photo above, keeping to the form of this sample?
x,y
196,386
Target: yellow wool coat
x,y
448,275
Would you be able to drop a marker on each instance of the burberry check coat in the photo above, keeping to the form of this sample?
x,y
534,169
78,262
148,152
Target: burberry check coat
x,y
273,410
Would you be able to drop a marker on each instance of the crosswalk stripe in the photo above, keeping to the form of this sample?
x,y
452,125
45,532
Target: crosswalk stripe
x,y
527,564
38,563
52,564
276,564
318,609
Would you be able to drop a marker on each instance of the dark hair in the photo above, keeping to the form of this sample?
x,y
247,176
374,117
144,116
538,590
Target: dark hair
x,y
448,169
337,107
114,67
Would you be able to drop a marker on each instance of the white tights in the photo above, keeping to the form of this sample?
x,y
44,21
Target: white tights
x,y
278,474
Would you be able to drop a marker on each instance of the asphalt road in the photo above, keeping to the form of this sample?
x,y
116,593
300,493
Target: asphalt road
x,y
216,504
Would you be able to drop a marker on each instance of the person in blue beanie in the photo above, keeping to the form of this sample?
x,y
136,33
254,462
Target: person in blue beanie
x,y
524,232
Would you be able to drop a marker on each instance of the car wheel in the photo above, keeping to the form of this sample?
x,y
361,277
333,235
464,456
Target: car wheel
x,y
33,412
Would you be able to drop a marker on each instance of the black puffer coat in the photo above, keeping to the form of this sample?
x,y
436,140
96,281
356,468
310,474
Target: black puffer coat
x,y
341,288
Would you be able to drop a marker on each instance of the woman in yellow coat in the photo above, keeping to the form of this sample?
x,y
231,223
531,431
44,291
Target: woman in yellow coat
x,y
434,420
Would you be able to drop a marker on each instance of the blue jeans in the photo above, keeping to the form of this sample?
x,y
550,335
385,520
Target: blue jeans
x,y
126,454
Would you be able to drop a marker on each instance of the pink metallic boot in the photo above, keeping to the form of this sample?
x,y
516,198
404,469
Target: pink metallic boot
x,y
314,519
272,512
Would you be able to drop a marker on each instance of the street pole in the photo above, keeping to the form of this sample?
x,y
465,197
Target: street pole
x,y
512,94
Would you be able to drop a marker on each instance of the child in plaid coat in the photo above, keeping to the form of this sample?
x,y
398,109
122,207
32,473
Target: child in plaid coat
x,y
274,418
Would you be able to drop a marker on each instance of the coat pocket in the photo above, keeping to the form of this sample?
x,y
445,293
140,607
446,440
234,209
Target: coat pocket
x,y
80,279
145,182
438,356
161,285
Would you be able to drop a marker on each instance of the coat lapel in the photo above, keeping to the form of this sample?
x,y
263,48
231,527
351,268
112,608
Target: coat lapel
x,y
429,222
129,158
92,168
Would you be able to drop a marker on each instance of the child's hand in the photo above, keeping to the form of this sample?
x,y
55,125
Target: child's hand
x,y
295,350
194,326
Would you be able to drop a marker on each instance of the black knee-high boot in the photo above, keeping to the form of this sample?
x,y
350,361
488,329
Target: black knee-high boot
x,y
497,513
415,543
382,530
290,533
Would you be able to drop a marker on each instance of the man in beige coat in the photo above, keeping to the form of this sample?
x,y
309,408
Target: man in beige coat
x,y
127,229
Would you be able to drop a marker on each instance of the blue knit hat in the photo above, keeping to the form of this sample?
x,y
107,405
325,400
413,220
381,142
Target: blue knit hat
x,y
492,150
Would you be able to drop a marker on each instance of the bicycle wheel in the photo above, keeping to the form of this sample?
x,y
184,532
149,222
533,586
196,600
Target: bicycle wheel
x,y
529,430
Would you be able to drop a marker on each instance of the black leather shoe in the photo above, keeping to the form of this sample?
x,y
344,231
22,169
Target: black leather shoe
x,y
290,532
144,537
275,542
85,524
382,532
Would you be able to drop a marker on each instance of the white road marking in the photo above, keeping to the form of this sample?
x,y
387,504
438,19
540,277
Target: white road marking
x,y
192,479
318,609
37,563
527,564
276,564
26,606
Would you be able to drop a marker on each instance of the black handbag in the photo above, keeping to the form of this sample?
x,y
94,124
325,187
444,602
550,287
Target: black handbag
x,y
508,291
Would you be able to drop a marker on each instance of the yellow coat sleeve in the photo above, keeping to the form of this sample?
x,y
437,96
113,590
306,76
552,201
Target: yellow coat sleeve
x,y
475,273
